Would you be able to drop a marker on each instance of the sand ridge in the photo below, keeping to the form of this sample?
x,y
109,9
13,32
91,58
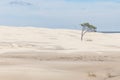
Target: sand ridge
x,y
29,53
56,39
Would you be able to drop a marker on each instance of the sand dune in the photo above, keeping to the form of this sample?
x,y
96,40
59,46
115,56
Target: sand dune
x,y
56,39
29,53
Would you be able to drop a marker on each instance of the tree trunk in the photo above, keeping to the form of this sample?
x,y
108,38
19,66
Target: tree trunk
x,y
82,33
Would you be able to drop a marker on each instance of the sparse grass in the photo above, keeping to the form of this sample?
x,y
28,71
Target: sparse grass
x,y
89,40
110,75
91,74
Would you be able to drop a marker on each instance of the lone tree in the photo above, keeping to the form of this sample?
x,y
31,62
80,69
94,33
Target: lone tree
x,y
86,27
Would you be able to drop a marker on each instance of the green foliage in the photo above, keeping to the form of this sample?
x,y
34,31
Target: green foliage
x,y
87,27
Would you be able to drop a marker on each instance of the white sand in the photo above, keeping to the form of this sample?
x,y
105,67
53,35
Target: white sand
x,y
56,39
29,53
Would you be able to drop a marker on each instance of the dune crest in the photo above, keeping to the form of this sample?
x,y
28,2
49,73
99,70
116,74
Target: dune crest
x,y
29,53
55,39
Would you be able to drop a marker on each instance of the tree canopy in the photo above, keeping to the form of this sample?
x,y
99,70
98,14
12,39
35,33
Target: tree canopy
x,y
86,27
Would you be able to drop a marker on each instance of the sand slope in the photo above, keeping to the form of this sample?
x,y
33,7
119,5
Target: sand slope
x,y
28,53
56,39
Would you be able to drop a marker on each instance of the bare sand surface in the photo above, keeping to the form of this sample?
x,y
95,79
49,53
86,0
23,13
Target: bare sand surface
x,y
59,66
28,53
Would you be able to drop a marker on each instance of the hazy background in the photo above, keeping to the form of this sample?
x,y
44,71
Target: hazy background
x,y
105,14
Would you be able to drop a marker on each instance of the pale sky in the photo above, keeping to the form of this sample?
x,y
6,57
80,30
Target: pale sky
x,y
104,14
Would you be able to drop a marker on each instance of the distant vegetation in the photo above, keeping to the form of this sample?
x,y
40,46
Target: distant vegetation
x,y
86,27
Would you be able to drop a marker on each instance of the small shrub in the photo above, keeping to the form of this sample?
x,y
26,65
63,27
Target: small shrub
x,y
90,74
